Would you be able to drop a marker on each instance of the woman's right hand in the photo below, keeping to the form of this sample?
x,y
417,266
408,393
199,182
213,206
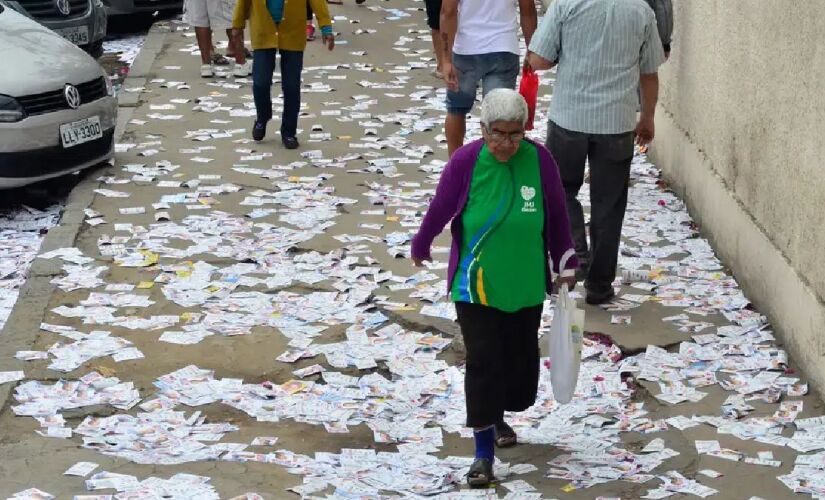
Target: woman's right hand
x,y
570,281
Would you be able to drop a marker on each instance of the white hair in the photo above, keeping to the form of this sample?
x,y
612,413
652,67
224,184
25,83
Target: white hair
x,y
503,105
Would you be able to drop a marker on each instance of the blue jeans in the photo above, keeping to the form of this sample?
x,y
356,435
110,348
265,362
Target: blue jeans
x,y
494,70
263,65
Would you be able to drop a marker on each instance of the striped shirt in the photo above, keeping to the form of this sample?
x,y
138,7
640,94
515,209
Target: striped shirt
x,y
601,47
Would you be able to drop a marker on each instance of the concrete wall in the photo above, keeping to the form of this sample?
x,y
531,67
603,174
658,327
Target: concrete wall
x,y
741,134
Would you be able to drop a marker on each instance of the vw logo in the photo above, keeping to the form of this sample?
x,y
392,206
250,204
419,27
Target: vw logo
x,y
63,7
72,96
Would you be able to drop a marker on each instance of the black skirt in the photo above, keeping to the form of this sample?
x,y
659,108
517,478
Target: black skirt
x,y
502,360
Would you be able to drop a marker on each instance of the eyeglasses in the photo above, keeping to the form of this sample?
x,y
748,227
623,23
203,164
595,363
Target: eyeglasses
x,y
499,137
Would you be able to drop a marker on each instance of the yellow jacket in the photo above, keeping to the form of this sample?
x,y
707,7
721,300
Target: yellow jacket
x,y
290,33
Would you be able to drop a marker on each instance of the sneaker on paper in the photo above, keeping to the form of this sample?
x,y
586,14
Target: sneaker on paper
x,y
243,70
207,71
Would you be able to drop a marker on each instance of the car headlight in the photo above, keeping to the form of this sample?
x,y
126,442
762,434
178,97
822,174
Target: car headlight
x,y
110,88
10,110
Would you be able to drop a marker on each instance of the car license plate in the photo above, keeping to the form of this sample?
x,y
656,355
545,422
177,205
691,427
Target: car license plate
x,y
72,134
78,35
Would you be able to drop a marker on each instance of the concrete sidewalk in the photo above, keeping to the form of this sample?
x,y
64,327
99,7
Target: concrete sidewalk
x,y
382,66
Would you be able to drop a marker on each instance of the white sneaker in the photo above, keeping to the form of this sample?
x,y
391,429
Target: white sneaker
x,y
207,71
243,70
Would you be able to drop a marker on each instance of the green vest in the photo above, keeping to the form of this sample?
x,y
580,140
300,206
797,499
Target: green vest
x,y
502,257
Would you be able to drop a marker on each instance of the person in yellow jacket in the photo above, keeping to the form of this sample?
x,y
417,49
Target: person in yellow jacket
x,y
279,26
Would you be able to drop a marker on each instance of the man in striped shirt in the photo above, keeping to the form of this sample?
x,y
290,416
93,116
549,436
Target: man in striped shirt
x,y
604,49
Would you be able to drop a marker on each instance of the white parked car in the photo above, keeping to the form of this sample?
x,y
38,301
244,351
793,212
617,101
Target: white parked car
x,y
57,107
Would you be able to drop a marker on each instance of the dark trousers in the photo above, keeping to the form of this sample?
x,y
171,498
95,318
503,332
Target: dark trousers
x,y
502,371
610,156
263,65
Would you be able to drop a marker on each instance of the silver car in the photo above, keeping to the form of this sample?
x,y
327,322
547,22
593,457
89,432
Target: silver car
x,y
57,108
83,22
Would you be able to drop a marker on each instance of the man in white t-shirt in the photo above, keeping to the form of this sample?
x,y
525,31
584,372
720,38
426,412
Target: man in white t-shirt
x,y
481,45
206,16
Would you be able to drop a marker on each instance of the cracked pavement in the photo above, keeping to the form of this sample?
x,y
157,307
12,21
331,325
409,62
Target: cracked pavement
x,y
29,460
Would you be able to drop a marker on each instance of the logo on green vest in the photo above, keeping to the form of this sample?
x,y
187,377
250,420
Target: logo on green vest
x,y
528,193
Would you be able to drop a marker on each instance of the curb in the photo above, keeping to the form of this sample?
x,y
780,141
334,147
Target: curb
x,y
32,302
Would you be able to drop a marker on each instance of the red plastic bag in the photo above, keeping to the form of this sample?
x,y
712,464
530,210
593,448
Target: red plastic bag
x,y
529,89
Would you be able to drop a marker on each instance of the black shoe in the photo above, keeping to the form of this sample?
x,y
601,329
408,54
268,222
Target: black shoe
x,y
259,131
597,299
359,2
291,142
505,435
481,473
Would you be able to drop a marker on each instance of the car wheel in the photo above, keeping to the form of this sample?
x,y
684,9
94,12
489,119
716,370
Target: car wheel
x,y
95,49
50,190
169,13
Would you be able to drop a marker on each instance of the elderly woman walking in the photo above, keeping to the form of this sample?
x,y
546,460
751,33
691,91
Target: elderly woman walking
x,y
511,237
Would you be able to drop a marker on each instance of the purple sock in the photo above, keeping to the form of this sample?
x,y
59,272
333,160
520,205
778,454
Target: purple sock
x,y
485,440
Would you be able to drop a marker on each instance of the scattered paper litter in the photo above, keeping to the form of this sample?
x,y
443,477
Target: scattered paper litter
x,y
241,274
81,469
32,494
13,376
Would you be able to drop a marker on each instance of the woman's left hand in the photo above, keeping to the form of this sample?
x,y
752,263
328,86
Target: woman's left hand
x,y
570,280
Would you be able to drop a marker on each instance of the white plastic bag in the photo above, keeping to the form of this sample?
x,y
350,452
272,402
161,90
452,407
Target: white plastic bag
x,y
565,346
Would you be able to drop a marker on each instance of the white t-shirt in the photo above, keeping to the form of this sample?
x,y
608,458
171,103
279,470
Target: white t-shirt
x,y
486,26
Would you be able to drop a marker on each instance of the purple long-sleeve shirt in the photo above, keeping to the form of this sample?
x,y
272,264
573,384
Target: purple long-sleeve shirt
x,y
451,198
